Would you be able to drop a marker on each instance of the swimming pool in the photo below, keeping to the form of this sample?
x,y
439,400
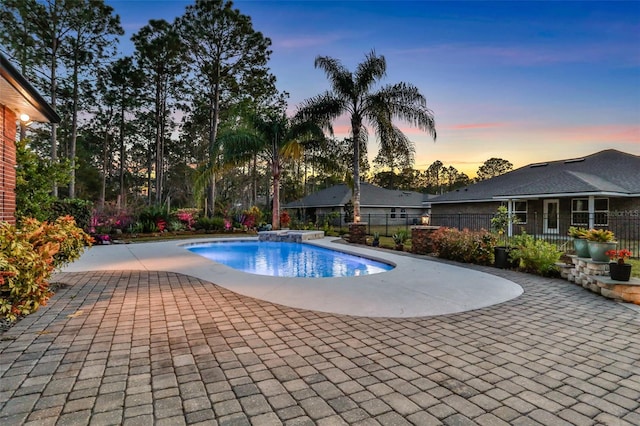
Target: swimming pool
x,y
285,259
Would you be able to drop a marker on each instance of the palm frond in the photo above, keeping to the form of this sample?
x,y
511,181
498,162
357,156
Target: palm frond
x,y
340,78
403,101
372,69
322,110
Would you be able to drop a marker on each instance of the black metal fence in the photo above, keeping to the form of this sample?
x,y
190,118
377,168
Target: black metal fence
x,y
553,230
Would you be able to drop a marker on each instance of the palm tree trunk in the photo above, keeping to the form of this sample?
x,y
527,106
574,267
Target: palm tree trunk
x,y
355,125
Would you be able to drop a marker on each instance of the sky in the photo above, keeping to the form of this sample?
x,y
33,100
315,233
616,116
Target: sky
x,y
527,82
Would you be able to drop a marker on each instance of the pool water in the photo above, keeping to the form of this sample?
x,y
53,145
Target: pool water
x,y
284,259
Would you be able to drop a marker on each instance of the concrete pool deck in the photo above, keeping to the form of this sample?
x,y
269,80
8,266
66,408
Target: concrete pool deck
x,y
414,288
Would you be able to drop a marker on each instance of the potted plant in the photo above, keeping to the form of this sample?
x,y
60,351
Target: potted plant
x,y
499,223
580,244
618,269
399,238
600,241
376,239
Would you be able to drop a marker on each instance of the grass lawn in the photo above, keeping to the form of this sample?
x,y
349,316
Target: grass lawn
x,y
635,270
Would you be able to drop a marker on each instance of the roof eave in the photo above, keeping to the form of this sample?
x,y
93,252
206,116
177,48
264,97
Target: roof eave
x,y
26,90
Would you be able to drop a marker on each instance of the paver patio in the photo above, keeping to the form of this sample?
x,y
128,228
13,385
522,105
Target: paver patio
x,y
142,348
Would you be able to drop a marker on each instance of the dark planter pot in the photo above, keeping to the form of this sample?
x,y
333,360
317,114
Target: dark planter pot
x,y
375,243
620,272
502,260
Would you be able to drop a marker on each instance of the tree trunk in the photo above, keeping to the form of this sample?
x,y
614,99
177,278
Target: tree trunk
x,y
355,125
74,131
54,126
213,134
123,192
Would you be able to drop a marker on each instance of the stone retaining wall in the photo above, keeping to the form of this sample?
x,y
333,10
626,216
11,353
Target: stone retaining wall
x,y
594,276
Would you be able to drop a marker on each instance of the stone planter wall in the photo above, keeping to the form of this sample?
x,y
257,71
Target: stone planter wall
x,y
594,276
421,239
358,233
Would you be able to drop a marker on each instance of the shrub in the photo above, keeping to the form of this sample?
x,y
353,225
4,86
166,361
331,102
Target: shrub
x,y
80,210
535,256
187,216
176,226
210,223
464,246
28,257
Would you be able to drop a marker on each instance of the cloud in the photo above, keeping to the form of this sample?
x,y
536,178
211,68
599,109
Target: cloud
x,y
468,126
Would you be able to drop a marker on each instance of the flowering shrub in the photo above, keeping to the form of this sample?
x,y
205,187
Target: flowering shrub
x,y
29,255
285,219
464,246
187,216
619,255
251,217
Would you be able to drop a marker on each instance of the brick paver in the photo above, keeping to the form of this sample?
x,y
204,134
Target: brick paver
x,y
142,348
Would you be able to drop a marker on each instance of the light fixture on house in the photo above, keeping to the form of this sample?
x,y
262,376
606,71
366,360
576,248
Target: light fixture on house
x,y
24,117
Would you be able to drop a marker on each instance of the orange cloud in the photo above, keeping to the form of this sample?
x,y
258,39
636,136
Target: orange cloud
x,y
625,134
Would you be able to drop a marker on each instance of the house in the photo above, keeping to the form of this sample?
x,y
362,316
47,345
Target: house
x,y
18,100
378,206
599,190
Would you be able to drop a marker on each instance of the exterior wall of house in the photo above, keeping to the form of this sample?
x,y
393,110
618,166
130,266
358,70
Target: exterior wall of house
x,y
465,208
7,164
623,217
373,215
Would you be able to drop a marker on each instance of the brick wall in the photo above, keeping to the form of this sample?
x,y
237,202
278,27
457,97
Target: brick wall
x,y
7,164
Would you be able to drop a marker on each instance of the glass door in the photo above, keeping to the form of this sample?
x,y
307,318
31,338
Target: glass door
x,y
551,217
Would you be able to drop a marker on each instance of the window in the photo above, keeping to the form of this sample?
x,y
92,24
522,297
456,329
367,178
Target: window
x,y
580,211
520,211
601,210
403,213
393,212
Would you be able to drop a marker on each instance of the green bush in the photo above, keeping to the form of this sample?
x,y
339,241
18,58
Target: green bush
x,y
80,210
215,223
28,256
464,246
535,256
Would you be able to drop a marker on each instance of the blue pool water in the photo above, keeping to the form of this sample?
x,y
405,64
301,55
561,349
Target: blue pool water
x,y
283,259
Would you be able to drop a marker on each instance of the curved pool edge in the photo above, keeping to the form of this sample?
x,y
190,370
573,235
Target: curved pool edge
x,y
414,288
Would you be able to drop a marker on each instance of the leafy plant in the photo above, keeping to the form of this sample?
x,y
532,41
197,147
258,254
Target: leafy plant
x,y
501,219
28,256
535,256
400,237
577,232
600,235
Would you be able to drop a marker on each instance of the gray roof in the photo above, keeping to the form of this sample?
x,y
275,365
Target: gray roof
x,y
609,172
370,196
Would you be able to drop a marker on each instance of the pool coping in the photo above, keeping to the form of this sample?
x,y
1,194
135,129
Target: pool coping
x,y
414,288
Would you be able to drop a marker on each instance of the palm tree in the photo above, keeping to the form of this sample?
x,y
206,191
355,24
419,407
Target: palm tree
x,y
276,138
354,94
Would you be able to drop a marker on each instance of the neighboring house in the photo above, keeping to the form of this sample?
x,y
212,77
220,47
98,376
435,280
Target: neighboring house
x,y
378,205
18,100
547,198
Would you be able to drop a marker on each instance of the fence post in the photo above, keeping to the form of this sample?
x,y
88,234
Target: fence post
x,y
386,224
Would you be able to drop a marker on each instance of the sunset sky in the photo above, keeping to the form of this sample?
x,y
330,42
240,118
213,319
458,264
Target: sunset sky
x,y
522,81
